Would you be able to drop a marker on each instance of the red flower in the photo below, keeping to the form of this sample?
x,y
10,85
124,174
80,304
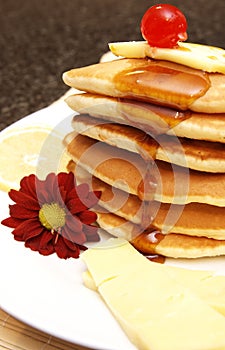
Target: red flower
x,y
53,216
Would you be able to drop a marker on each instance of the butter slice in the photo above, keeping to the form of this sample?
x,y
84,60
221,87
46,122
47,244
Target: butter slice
x,y
153,308
208,58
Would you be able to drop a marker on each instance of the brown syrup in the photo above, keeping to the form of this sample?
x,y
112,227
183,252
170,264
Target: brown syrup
x,y
147,243
152,119
162,83
147,148
156,258
148,185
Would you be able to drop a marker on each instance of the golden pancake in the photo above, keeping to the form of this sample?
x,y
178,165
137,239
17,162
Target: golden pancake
x,y
151,118
171,245
194,154
158,82
193,219
129,172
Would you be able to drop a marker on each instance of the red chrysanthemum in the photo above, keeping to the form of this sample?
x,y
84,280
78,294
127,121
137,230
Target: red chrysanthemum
x,y
52,215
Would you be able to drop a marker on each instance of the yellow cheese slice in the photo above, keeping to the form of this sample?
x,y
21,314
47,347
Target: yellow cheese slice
x,y
107,252
208,58
211,289
88,281
154,309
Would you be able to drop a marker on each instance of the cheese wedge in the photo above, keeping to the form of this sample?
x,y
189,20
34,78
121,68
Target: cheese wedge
x,y
88,281
155,311
208,58
209,288
203,283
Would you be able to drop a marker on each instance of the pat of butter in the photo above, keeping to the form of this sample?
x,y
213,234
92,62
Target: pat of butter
x,y
205,57
153,308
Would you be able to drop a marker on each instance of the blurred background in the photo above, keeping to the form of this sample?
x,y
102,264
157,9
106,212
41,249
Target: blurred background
x,y
40,39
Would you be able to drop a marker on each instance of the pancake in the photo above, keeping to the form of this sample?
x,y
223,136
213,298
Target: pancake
x,y
158,82
127,171
171,245
194,154
151,118
112,199
165,217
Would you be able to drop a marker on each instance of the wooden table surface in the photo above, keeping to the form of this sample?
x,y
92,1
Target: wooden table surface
x,y
15,335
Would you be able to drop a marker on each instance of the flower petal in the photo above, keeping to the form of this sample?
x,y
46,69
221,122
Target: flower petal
x,y
50,187
92,199
71,195
23,199
73,249
11,222
67,180
71,245
60,196
87,216
82,190
46,189
47,250
34,244
73,223
91,233
76,205
75,237
61,249
46,238
19,212
27,229
28,185
43,196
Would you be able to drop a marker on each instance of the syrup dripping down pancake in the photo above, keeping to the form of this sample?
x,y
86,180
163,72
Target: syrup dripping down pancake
x,y
159,82
151,118
171,245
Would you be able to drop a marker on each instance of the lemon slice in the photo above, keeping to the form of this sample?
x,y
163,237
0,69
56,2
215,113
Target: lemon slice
x,y
30,150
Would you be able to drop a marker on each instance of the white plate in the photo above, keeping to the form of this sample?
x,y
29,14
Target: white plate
x,y
47,292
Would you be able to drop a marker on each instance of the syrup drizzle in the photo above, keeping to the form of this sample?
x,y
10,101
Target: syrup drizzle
x,y
147,243
153,119
162,83
156,258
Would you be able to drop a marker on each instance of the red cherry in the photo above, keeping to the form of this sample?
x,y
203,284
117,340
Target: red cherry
x,y
164,25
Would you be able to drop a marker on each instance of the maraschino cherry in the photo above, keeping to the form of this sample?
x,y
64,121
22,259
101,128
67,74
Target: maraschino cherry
x,y
163,26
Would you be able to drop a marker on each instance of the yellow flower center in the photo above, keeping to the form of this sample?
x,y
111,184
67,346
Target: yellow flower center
x,y
52,216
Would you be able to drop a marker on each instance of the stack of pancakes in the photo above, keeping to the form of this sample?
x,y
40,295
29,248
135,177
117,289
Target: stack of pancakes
x,y
151,136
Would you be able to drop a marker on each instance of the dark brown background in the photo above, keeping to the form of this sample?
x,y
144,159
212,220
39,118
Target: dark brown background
x,y
39,39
